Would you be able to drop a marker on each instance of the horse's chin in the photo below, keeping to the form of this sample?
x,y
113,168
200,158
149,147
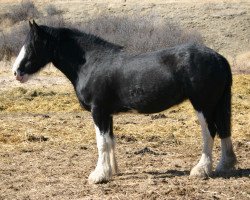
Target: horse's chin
x,y
22,79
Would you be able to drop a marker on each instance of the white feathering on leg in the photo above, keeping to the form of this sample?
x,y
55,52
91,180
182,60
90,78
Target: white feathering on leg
x,y
228,158
103,169
204,166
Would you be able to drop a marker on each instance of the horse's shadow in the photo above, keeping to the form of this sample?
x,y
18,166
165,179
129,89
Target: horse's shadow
x,y
168,173
155,174
237,173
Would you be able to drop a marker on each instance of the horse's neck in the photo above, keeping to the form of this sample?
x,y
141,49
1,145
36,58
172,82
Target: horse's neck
x,y
69,61
67,70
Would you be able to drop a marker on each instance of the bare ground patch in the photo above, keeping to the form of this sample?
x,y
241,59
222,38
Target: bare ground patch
x,y
49,170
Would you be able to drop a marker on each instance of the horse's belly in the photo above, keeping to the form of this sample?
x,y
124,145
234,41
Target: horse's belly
x,y
155,107
154,101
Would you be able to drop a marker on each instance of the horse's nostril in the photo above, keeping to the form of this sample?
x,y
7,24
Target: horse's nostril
x,y
14,73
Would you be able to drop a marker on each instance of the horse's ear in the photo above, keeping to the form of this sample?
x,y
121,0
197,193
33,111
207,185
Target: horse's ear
x,y
30,24
35,25
35,28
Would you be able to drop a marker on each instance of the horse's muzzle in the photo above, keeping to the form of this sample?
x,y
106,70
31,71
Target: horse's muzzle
x,y
22,79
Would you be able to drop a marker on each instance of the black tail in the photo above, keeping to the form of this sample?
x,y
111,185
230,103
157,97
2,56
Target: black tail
x,y
223,108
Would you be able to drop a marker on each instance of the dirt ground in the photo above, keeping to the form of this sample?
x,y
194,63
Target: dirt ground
x,y
47,143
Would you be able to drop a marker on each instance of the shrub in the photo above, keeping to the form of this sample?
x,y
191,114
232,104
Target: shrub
x,y
51,10
11,43
137,34
55,21
140,34
26,10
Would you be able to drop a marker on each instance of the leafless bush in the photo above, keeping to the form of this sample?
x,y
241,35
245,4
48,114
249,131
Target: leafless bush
x,y
51,10
140,34
137,34
5,50
11,43
54,21
26,10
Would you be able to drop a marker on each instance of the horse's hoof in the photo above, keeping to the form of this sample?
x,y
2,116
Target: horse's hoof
x,y
226,166
224,169
99,176
201,171
220,169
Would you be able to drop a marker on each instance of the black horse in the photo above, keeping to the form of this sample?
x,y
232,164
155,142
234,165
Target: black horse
x,y
108,81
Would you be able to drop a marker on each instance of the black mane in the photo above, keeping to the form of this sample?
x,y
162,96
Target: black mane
x,y
62,33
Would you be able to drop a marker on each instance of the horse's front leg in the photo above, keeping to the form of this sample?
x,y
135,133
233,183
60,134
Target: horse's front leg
x,y
106,164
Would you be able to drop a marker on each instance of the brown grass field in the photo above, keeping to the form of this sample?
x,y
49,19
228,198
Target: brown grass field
x,y
47,142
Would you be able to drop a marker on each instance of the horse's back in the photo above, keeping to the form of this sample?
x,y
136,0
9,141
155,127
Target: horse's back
x,y
155,81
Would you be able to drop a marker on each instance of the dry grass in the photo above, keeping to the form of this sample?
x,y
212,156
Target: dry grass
x,y
53,101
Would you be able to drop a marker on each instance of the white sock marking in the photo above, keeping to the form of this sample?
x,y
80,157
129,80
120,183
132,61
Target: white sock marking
x,y
103,169
228,158
204,166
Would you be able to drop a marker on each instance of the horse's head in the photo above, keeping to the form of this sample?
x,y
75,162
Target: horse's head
x,y
34,54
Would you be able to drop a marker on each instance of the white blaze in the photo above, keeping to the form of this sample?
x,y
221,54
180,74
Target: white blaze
x,y
19,59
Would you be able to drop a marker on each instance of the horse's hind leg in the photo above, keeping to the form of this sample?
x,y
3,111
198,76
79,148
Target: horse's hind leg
x,y
113,162
223,124
204,166
228,158
106,163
